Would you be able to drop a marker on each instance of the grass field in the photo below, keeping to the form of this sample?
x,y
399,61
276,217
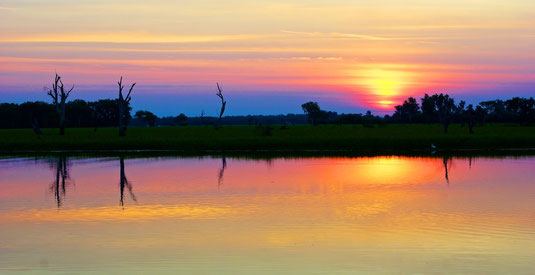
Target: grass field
x,y
205,139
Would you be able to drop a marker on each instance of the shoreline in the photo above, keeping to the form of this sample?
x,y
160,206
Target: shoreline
x,y
271,154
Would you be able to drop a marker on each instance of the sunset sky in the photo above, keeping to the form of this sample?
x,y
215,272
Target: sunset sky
x,y
269,56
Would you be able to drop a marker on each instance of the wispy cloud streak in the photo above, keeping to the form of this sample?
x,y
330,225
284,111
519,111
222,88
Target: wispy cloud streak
x,y
336,34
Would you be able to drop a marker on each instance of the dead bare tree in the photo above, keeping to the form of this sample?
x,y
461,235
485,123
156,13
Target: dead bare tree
x,y
223,105
59,96
124,107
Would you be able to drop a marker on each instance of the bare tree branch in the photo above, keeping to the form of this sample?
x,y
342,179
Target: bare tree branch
x,y
120,86
129,92
69,92
223,104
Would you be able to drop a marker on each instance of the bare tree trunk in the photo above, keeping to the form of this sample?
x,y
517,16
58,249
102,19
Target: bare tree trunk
x,y
123,107
446,125
62,118
122,119
59,96
471,126
445,119
35,126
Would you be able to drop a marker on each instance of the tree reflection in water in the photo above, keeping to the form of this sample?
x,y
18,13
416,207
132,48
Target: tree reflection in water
x,y
125,183
447,166
222,171
62,180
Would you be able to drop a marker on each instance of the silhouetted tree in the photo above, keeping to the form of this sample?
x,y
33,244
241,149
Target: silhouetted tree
x,y
440,106
223,105
480,115
408,112
428,109
78,113
313,112
59,97
459,112
124,112
349,119
495,110
147,117
36,115
445,107
520,109
470,116
181,120
105,113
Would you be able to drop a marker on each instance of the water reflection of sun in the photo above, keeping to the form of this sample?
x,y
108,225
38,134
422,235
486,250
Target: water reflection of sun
x,y
395,170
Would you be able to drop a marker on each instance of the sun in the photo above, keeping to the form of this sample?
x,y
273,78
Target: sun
x,y
386,87
383,85
383,82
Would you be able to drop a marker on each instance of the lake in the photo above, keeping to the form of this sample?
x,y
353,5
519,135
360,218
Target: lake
x,y
221,215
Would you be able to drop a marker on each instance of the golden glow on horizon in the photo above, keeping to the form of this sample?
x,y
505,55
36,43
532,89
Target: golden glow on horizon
x,y
385,85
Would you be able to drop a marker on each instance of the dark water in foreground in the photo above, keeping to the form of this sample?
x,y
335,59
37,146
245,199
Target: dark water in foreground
x,y
237,216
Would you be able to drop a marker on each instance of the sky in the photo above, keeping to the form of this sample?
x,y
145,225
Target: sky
x,y
269,56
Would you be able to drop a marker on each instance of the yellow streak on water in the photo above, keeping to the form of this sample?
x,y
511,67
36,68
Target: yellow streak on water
x,y
115,213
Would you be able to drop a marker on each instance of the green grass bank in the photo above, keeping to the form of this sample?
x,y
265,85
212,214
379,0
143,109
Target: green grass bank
x,y
299,138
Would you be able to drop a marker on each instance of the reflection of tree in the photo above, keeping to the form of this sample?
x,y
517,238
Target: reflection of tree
x,y
470,162
58,187
447,162
269,162
124,183
222,171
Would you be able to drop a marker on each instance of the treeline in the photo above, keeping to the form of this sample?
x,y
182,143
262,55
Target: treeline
x,y
105,113
182,120
78,113
440,107
437,108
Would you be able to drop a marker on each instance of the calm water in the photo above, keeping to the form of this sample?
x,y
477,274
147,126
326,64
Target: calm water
x,y
236,216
